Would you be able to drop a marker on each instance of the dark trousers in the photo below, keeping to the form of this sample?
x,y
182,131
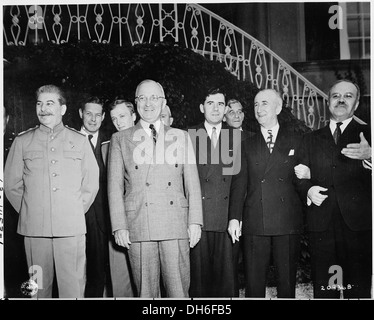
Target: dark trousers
x,y
212,266
237,253
340,246
97,269
257,254
15,264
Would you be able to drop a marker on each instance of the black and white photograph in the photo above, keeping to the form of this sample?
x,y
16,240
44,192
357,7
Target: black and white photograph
x,y
212,152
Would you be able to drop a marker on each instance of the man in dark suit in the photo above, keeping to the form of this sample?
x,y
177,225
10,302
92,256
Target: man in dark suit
x,y
234,117
338,195
212,263
92,115
264,198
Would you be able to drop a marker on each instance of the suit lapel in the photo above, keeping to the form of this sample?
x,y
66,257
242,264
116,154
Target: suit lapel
x,y
325,141
144,145
350,131
281,146
216,153
261,151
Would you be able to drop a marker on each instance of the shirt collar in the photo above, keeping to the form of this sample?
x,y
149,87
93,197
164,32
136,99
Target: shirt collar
x,y
344,125
94,135
56,129
274,131
209,128
146,124
86,133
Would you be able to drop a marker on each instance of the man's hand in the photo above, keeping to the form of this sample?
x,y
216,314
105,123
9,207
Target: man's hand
x,y
315,196
234,230
302,171
122,238
194,233
360,151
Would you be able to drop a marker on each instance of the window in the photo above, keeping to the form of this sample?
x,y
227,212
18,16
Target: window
x,y
355,35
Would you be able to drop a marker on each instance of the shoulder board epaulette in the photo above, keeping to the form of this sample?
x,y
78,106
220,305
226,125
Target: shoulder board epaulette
x,y
75,130
28,130
105,142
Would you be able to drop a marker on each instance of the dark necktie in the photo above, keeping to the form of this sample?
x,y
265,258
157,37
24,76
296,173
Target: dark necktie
x,y
90,136
154,133
337,132
214,136
269,141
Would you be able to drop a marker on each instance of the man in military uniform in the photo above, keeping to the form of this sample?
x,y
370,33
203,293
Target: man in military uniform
x,y
51,179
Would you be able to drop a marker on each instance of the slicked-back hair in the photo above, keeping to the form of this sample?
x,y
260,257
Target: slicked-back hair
x,y
51,88
120,100
213,91
232,101
344,80
92,99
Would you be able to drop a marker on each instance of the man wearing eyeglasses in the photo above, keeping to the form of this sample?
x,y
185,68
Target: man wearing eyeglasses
x,y
155,198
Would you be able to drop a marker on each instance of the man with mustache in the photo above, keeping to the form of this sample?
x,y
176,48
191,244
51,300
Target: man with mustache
x,y
51,179
338,195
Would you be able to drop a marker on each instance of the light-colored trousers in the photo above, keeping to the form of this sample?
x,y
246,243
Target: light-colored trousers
x,y
169,258
66,256
120,271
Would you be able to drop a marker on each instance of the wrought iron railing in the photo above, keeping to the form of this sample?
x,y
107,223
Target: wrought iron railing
x,y
189,25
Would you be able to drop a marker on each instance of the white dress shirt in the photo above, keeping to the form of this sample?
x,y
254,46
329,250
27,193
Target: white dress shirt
x,y
94,138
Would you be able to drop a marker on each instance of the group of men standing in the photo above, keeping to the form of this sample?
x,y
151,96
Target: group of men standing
x,y
181,201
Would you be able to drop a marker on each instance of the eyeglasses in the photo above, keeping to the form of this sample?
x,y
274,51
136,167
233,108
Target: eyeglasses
x,y
153,98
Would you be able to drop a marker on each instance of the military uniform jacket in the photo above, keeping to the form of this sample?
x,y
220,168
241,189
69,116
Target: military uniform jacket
x,y
263,194
154,190
51,179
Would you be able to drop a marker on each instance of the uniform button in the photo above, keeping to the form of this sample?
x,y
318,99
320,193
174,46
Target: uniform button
x,y
136,167
263,180
334,166
52,137
224,179
203,198
176,165
54,174
171,202
53,161
53,149
54,189
206,180
147,184
280,179
169,183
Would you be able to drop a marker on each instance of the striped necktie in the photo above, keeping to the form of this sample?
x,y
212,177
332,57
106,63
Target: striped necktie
x,y
269,141
154,132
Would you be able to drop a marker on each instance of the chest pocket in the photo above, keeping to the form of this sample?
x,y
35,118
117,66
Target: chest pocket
x,y
73,155
33,159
